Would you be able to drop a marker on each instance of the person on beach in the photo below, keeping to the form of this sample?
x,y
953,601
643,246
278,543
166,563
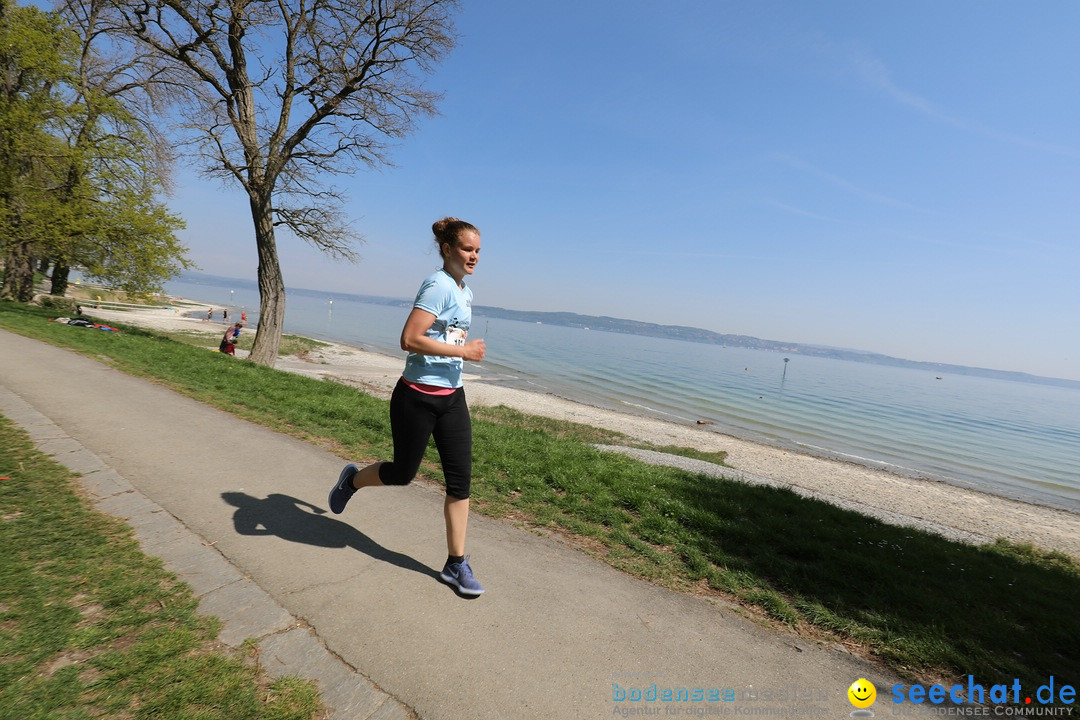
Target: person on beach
x,y
429,399
229,340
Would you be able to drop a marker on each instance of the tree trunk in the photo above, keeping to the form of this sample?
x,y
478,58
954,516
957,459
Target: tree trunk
x,y
18,272
271,284
60,273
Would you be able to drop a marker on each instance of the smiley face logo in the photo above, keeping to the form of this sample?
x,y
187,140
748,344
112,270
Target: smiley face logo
x,y
862,693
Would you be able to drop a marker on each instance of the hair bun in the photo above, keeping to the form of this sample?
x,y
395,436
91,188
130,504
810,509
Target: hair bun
x,y
448,231
439,227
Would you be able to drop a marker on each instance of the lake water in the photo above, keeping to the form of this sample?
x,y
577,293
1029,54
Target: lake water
x,y
1009,438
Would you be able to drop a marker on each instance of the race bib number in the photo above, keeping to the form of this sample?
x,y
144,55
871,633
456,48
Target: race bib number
x,y
456,336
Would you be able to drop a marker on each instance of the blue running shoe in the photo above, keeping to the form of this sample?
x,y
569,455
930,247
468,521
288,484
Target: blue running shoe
x,y
343,490
460,576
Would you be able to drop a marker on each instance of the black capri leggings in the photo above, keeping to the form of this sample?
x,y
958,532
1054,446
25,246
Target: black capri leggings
x,y
414,418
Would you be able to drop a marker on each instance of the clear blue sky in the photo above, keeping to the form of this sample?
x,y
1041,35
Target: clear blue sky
x,y
899,177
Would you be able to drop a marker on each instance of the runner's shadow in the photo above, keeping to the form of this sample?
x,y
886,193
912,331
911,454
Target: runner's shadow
x,y
287,518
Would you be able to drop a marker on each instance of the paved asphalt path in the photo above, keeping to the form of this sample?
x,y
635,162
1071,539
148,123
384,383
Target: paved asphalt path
x,y
239,511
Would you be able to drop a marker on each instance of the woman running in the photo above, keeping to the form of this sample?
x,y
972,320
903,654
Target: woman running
x,y
429,399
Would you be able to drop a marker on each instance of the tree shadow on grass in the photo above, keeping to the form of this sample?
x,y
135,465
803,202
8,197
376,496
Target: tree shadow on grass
x,y
286,518
997,611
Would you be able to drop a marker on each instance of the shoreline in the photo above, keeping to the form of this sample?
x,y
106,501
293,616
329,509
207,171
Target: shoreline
x,y
957,512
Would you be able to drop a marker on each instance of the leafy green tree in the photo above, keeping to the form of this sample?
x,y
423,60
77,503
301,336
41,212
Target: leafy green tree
x,y
282,93
36,53
86,166
119,164
128,239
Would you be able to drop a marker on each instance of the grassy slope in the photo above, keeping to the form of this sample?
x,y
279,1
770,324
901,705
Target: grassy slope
x,y
92,627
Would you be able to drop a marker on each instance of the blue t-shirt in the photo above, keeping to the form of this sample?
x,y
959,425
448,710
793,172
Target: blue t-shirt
x,y
452,308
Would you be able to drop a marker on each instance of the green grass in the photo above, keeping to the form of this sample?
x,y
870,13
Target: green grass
x,y
91,627
926,606
210,338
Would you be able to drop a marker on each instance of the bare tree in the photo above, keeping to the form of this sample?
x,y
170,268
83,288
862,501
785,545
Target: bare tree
x,y
284,92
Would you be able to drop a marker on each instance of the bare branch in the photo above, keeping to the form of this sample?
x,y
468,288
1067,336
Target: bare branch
x,y
283,93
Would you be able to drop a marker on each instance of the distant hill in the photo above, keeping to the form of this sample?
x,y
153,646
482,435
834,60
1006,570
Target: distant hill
x,y
699,335
678,332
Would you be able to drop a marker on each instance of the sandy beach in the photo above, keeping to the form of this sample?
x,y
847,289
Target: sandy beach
x,y
954,512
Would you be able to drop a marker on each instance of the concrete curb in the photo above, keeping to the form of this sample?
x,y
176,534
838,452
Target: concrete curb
x,y
287,645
